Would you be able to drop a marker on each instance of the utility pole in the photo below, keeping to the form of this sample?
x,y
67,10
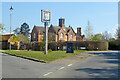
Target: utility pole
x,y
10,26
46,18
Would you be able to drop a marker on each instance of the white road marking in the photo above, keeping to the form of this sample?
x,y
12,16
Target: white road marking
x,y
70,65
47,74
61,68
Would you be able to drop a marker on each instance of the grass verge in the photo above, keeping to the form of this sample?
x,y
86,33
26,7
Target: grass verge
x,y
41,56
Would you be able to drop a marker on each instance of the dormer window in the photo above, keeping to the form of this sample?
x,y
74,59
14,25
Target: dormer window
x,y
34,35
61,35
71,36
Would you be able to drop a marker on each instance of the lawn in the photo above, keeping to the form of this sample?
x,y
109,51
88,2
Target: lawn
x,y
53,55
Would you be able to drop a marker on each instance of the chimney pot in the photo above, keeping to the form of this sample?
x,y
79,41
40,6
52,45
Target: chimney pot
x,y
79,30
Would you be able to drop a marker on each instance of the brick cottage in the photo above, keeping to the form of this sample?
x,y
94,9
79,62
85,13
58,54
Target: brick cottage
x,y
57,33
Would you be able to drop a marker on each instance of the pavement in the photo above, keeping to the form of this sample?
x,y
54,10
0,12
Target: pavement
x,y
99,65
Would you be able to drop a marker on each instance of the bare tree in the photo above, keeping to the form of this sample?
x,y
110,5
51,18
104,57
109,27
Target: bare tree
x,y
1,28
88,31
17,31
118,32
107,36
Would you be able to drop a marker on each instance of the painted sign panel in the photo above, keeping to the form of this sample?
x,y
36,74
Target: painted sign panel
x,y
45,16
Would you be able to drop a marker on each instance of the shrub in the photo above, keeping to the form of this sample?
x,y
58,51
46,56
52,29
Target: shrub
x,y
114,45
49,50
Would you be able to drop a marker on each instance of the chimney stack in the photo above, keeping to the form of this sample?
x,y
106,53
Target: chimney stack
x,y
79,30
62,22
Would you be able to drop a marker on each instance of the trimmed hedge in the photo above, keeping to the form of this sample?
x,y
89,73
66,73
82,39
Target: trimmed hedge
x,y
54,46
114,45
89,45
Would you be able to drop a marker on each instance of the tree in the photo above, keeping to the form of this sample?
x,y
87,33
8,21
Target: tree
x,y
1,28
25,29
98,37
107,36
88,31
42,43
17,31
23,38
118,32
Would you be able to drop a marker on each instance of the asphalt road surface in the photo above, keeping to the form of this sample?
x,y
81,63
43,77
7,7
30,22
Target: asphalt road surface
x,y
101,65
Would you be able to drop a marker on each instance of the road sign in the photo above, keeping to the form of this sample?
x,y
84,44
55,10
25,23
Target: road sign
x,y
45,16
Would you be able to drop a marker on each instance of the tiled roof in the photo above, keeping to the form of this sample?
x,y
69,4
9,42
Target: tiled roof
x,y
6,37
40,29
57,28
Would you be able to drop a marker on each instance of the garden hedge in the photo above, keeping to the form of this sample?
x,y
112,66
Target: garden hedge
x,y
88,45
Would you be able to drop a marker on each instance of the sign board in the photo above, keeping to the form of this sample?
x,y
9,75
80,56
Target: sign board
x,y
45,16
69,48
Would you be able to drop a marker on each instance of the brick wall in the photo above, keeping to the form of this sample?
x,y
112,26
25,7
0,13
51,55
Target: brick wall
x,y
36,35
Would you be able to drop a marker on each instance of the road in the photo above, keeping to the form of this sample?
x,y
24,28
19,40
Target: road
x,y
98,66
0,66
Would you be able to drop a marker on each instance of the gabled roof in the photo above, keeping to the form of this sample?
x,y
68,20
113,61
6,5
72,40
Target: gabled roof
x,y
39,29
55,28
58,28
6,37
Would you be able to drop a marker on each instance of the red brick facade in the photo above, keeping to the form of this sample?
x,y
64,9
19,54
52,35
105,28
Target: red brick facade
x,y
57,33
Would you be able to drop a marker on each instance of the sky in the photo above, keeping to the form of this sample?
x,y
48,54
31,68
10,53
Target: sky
x,y
103,16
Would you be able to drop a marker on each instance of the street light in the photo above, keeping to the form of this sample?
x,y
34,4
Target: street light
x,y
11,8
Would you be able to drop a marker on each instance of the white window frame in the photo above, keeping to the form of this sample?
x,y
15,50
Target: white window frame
x,y
61,35
71,36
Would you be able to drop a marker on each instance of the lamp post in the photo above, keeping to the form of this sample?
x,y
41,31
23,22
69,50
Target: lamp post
x,y
11,8
46,18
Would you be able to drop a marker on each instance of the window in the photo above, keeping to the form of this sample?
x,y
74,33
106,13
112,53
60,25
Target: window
x,y
34,35
64,29
42,37
61,35
71,36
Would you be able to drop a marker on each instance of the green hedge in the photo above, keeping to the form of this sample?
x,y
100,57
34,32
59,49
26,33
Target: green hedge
x,y
54,46
114,45
89,45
